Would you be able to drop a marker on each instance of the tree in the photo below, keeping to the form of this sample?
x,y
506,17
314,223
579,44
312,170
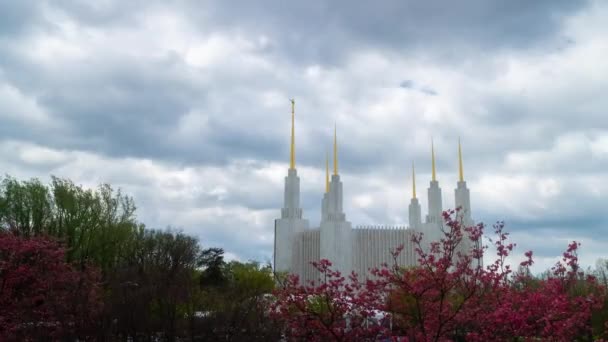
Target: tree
x,y
335,309
238,309
448,296
94,225
600,317
212,262
234,300
154,284
25,206
173,262
601,271
42,296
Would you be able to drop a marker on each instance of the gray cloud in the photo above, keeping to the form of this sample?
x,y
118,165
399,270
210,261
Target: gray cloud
x,y
327,30
185,106
407,84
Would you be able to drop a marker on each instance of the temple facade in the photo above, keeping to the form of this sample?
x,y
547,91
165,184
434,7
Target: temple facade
x,y
349,248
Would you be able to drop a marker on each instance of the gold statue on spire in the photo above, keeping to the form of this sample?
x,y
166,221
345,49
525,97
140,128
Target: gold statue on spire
x,y
327,172
292,151
433,160
460,172
413,181
335,151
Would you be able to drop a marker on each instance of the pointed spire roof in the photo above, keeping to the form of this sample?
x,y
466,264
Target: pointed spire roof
x,y
460,171
292,150
413,182
433,161
335,151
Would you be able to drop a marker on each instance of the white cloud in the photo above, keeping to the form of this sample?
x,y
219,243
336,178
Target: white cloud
x,y
19,107
532,120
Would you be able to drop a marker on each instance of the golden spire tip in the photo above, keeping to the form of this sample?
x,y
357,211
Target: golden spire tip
x,y
413,181
460,171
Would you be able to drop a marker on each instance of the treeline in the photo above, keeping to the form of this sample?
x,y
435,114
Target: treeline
x,y
125,280
77,265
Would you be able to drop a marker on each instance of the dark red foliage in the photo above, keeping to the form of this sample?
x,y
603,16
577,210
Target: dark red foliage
x,y
41,295
450,295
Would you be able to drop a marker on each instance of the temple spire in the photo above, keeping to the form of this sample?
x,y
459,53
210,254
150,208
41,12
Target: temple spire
x,y
335,151
413,182
292,150
460,172
327,172
433,160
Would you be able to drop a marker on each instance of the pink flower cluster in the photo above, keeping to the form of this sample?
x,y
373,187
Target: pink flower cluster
x,y
42,297
449,296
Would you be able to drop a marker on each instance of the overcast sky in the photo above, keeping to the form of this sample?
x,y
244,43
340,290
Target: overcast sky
x,y
184,105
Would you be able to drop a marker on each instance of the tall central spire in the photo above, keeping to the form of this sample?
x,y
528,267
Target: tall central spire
x,y
335,151
413,182
327,172
433,160
292,154
460,172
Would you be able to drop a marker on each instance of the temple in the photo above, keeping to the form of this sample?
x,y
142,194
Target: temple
x,y
360,248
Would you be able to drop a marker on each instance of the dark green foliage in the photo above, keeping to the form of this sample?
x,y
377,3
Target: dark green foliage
x,y
154,282
212,261
238,310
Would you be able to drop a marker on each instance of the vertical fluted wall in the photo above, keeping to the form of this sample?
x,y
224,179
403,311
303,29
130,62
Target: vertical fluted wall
x,y
372,247
310,253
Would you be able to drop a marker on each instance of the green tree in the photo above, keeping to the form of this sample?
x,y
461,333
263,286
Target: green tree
x,y
153,281
237,310
25,207
212,262
155,284
95,225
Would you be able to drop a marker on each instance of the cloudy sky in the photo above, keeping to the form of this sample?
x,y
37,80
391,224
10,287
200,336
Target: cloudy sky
x,y
184,105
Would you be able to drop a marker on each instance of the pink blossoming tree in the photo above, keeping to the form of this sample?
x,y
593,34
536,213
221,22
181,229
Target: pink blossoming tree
x,y
42,297
449,296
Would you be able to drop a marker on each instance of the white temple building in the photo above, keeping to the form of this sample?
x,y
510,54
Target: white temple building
x,y
357,249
